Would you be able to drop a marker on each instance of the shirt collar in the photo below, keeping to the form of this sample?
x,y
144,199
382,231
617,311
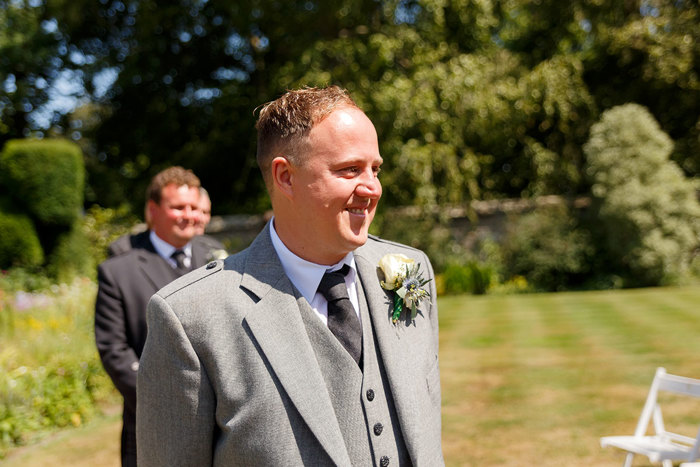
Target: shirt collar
x,y
165,249
305,275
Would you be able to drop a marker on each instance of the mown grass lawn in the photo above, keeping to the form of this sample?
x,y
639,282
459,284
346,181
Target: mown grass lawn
x,y
527,380
535,380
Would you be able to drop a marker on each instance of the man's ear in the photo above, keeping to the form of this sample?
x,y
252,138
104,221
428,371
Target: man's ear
x,y
282,174
151,208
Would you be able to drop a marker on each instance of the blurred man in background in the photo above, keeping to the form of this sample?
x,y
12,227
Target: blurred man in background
x,y
127,241
154,258
204,211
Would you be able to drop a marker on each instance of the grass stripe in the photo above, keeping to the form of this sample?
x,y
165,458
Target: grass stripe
x,y
537,379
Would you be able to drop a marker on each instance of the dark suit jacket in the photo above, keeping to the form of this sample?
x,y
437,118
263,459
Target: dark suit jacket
x,y
130,241
126,283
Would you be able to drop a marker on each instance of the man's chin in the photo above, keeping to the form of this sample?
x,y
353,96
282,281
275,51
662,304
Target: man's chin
x,y
186,236
356,240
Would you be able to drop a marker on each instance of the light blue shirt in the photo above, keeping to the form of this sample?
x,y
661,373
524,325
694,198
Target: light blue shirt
x,y
166,250
306,276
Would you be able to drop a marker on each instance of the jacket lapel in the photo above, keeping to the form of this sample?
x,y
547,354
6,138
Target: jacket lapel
x,y
157,271
394,347
200,253
277,326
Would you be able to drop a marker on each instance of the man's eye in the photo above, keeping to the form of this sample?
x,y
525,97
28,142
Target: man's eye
x,y
376,170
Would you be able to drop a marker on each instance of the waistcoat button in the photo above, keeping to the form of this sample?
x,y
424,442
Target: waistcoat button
x,y
378,429
384,461
370,395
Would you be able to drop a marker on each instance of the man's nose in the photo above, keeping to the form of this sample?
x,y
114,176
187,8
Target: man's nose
x,y
369,186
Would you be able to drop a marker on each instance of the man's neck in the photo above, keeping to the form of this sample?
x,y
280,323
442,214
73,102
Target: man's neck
x,y
164,248
313,255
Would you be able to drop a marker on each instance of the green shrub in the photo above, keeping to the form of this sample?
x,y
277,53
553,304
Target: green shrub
x,y
71,256
104,225
549,249
21,279
648,214
46,177
19,243
471,277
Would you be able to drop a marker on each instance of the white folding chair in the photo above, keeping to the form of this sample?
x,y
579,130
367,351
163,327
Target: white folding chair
x,y
664,445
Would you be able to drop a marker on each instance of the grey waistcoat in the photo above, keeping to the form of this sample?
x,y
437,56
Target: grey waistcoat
x,y
362,400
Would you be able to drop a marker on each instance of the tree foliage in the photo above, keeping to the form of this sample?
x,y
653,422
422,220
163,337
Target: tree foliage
x,y
34,56
473,99
649,213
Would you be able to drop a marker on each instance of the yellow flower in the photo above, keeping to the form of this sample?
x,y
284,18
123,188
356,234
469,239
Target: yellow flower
x,y
394,268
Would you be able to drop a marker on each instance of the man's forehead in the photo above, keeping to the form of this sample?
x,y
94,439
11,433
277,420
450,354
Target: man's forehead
x,y
181,190
344,118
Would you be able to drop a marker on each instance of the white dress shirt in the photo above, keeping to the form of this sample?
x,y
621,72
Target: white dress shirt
x,y
166,250
306,276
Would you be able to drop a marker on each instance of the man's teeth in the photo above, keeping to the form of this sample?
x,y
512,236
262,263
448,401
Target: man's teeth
x,y
357,211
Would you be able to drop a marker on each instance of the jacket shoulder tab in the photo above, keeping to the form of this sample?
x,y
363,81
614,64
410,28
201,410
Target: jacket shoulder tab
x,y
212,267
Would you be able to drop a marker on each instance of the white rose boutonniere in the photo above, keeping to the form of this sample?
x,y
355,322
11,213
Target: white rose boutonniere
x,y
402,275
217,254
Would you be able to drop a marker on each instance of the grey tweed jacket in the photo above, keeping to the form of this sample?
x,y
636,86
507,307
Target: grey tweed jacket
x,y
228,375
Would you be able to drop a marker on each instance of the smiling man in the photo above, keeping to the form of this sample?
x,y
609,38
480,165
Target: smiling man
x,y
127,281
292,352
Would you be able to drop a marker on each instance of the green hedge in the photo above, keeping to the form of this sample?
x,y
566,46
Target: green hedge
x,y
46,177
71,255
19,243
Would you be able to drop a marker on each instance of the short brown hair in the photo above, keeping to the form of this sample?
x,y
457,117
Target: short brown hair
x,y
284,123
175,175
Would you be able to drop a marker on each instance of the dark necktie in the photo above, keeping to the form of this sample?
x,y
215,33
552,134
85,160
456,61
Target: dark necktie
x,y
342,319
179,257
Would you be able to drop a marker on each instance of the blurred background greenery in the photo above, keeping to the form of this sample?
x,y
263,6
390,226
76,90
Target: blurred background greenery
x,y
473,101
594,104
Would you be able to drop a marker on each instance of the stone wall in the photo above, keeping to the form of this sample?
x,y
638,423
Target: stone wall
x,y
468,223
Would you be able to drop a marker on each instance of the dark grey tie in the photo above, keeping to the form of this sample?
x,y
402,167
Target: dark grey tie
x,y
342,319
179,257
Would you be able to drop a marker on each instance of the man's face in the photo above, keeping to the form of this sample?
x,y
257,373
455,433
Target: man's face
x,y
335,188
174,218
203,213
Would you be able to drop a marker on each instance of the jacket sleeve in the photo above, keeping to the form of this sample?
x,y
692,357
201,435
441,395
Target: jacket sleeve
x,y
118,358
175,421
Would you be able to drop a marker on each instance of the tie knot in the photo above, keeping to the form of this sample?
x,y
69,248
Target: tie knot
x,y
179,257
332,285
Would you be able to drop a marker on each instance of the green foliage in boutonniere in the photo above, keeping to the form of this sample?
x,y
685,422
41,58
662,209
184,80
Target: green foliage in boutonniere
x,y
402,275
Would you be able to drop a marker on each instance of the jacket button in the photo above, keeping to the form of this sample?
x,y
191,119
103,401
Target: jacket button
x,y
370,395
378,429
384,461
211,265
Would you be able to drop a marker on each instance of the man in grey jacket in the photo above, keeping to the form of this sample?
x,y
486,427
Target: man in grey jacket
x,y
301,349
